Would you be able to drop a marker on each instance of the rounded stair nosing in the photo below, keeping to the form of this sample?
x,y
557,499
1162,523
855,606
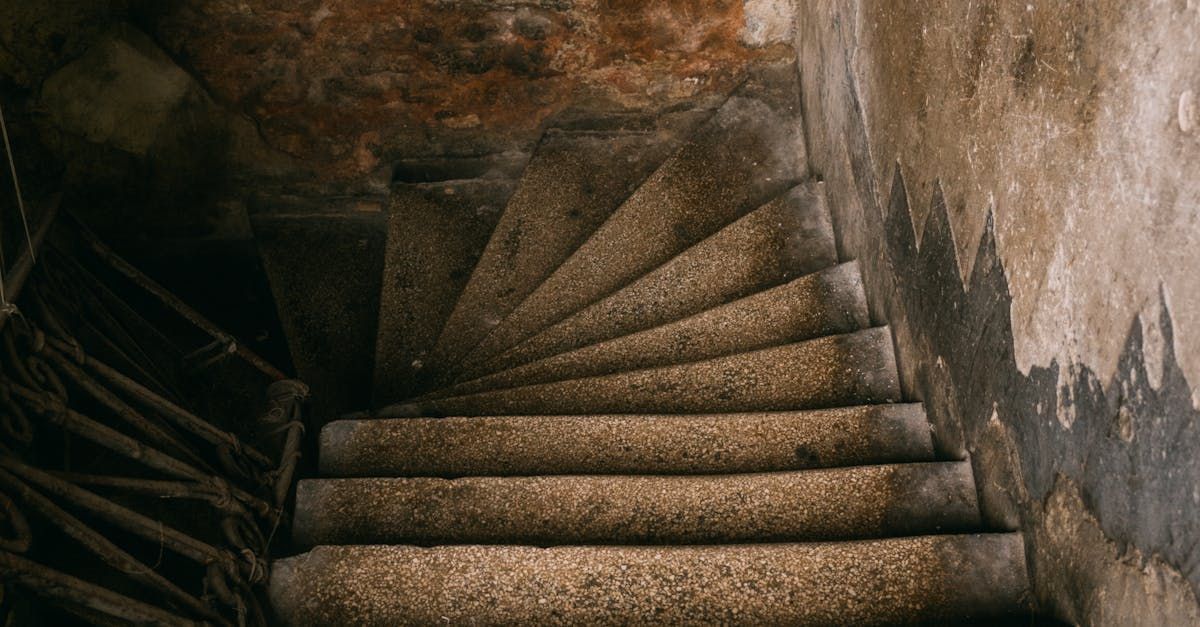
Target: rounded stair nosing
x,y
827,504
626,444
926,579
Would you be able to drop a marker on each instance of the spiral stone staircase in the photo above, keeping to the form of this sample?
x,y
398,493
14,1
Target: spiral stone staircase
x,y
658,398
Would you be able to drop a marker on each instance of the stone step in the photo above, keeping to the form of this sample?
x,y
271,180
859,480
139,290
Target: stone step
x,y
572,185
851,369
825,303
788,237
625,444
328,303
826,504
749,152
928,579
436,233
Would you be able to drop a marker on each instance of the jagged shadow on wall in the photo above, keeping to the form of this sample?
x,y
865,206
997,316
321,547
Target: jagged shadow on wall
x,y
1127,450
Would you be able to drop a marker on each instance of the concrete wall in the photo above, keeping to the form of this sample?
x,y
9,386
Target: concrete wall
x,y
1019,181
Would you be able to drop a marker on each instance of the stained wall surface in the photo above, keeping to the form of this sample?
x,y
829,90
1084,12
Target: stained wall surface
x,y
1019,180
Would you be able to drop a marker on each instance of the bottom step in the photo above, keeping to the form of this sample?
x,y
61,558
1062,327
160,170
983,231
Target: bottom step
x,y
932,578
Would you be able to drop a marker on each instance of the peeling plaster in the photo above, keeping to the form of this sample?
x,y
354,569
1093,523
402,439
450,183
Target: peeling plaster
x,y
1064,118
768,22
924,190
1113,585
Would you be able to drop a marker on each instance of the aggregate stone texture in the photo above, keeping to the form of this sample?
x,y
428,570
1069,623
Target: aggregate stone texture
x,y
827,504
850,369
690,408
749,152
436,233
325,271
783,239
626,444
824,303
926,579
572,185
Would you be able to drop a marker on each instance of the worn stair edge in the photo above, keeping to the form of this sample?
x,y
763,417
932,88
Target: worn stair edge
x,y
826,504
825,303
625,444
851,369
878,582
787,237
749,152
572,185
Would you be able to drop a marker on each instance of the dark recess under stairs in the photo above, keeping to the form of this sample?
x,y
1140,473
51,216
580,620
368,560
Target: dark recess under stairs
x,y
657,399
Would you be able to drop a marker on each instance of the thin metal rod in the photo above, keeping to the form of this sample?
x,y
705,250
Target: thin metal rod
x,y
114,313
14,281
170,300
286,399
127,519
225,503
183,418
117,442
101,546
12,166
107,437
62,588
160,435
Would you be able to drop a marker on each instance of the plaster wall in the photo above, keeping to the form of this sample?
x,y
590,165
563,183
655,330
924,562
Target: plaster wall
x,y
1019,181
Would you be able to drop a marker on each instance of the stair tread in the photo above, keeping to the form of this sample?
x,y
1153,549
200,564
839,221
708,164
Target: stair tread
x,y
750,151
327,300
891,581
436,233
850,369
651,444
834,503
787,237
572,184
824,303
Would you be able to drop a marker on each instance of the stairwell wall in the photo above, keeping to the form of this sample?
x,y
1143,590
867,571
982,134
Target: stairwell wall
x,y
1014,179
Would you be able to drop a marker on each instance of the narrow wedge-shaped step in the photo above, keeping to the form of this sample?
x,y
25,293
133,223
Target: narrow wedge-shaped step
x,y
328,303
626,444
879,582
851,369
785,238
749,152
572,185
436,233
825,303
828,504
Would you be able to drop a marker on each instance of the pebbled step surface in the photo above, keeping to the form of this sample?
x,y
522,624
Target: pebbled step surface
x,y
328,304
749,152
572,185
851,369
436,233
788,237
877,582
828,504
625,444
825,303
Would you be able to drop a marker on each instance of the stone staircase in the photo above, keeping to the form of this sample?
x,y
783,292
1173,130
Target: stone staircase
x,y
658,399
